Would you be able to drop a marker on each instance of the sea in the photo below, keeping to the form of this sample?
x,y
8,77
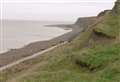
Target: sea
x,y
22,21
16,34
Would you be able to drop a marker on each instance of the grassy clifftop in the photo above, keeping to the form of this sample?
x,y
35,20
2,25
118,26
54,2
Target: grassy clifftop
x,y
110,22
94,56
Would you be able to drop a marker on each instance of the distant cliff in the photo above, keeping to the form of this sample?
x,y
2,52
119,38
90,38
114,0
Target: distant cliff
x,y
104,21
93,56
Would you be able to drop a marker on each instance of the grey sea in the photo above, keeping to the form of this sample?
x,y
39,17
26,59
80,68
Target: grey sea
x,y
17,34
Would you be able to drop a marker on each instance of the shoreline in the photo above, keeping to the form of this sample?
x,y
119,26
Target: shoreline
x,y
34,47
37,40
29,57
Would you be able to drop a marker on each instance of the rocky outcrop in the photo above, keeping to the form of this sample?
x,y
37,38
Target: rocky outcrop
x,y
116,8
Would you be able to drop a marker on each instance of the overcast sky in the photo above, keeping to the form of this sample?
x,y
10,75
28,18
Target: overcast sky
x,y
53,10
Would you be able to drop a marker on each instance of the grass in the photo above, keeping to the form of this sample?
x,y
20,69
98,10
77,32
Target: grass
x,y
77,61
98,57
109,26
71,63
104,60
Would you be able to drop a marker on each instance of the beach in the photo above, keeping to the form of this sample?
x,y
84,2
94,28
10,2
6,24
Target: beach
x,y
38,45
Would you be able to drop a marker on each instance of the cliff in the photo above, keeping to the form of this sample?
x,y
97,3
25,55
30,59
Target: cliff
x,y
106,19
93,56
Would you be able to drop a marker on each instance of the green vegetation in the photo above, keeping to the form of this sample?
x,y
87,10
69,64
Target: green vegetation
x,y
98,57
109,26
98,64
110,23
82,60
